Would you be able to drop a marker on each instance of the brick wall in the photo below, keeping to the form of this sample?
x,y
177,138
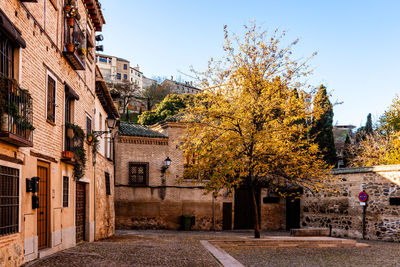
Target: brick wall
x,y
42,27
160,204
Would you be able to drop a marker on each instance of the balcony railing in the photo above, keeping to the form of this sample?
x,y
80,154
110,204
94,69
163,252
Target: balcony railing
x,y
15,114
74,44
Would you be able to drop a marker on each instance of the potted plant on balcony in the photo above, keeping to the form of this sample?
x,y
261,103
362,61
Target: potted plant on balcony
x,y
81,52
27,128
93,141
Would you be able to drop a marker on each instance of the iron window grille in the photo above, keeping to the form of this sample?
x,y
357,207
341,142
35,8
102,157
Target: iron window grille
x,y
108,188
6,57
138,173
88,125
65,191
51,99
9,200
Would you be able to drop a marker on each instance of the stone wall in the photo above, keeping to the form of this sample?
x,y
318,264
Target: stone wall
x,y
338,206
11,250
105,215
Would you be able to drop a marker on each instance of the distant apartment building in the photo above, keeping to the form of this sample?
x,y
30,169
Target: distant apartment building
x,y
147,82
114,69
136,77
180,87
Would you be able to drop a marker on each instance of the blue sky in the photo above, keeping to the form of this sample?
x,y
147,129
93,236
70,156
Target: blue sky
x,y
358,41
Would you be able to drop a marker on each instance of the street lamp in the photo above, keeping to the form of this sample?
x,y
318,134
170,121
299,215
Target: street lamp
x,y
167,163
111,122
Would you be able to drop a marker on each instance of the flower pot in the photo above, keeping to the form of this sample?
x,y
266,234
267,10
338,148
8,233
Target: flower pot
x,y
70,47
68,154
70,22
4,122
27,134
70,133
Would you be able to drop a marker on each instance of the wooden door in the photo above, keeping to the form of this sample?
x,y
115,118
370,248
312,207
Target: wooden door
x,y
292,213
227,216
80,213
244,211
43,210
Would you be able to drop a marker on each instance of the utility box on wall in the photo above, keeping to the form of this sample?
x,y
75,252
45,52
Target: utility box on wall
x,y
35,202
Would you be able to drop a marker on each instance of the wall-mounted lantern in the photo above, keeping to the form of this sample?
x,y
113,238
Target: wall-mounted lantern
x,y
167,163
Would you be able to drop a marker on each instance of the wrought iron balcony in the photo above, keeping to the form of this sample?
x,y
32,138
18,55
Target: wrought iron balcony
x,y
15,114
74,44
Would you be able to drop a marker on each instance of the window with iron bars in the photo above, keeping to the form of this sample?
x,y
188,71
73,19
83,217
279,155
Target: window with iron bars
x,y
138,173
9,200
108,186
51,99
65,191
6,57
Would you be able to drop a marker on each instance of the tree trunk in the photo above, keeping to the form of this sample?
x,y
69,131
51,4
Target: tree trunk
x,y
148,104
256,215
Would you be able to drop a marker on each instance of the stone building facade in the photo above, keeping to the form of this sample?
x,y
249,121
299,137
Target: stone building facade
x,y
158,199
50,55
180,87
339,207
154,199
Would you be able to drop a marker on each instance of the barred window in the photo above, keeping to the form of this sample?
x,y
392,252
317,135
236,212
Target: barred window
x,y
9,200
108,189
88,125
51,99
65,191
138,173
6,56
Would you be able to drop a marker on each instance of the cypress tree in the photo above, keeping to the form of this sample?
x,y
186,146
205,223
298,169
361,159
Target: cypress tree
x,y
368,126
347,151
321,127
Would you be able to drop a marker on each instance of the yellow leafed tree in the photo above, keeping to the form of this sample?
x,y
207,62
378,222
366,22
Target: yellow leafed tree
x,y
250,128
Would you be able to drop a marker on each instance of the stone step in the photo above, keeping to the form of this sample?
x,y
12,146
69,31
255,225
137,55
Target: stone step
x,y
310,232
290,242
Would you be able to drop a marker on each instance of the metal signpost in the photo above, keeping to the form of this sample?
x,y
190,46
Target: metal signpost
x,y
363,197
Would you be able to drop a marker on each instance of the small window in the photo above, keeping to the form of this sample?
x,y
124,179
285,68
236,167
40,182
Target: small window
x,y
65,191
6,56
138,173
119,76
100,122
103,59
88,125
125,76
125,66
51,99
9,200
394,201
108,189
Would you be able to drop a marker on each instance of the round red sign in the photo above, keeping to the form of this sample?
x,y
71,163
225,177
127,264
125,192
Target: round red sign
x,y
363,196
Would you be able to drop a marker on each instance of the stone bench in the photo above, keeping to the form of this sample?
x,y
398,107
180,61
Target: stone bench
x,y
310,232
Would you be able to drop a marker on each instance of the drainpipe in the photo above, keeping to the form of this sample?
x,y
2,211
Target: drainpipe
x,y
94,185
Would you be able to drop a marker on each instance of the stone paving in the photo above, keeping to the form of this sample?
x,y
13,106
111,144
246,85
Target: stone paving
x,y
177,248
377,254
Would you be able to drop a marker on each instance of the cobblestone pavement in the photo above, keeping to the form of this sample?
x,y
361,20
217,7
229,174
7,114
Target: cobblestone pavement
x,y
378,254
140,248
177,248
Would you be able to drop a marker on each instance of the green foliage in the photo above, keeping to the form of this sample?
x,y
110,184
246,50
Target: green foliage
x,y
79,151
170,106
368,126
321,127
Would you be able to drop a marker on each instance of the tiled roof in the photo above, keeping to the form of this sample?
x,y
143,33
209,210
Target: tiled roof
x,y
128,129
